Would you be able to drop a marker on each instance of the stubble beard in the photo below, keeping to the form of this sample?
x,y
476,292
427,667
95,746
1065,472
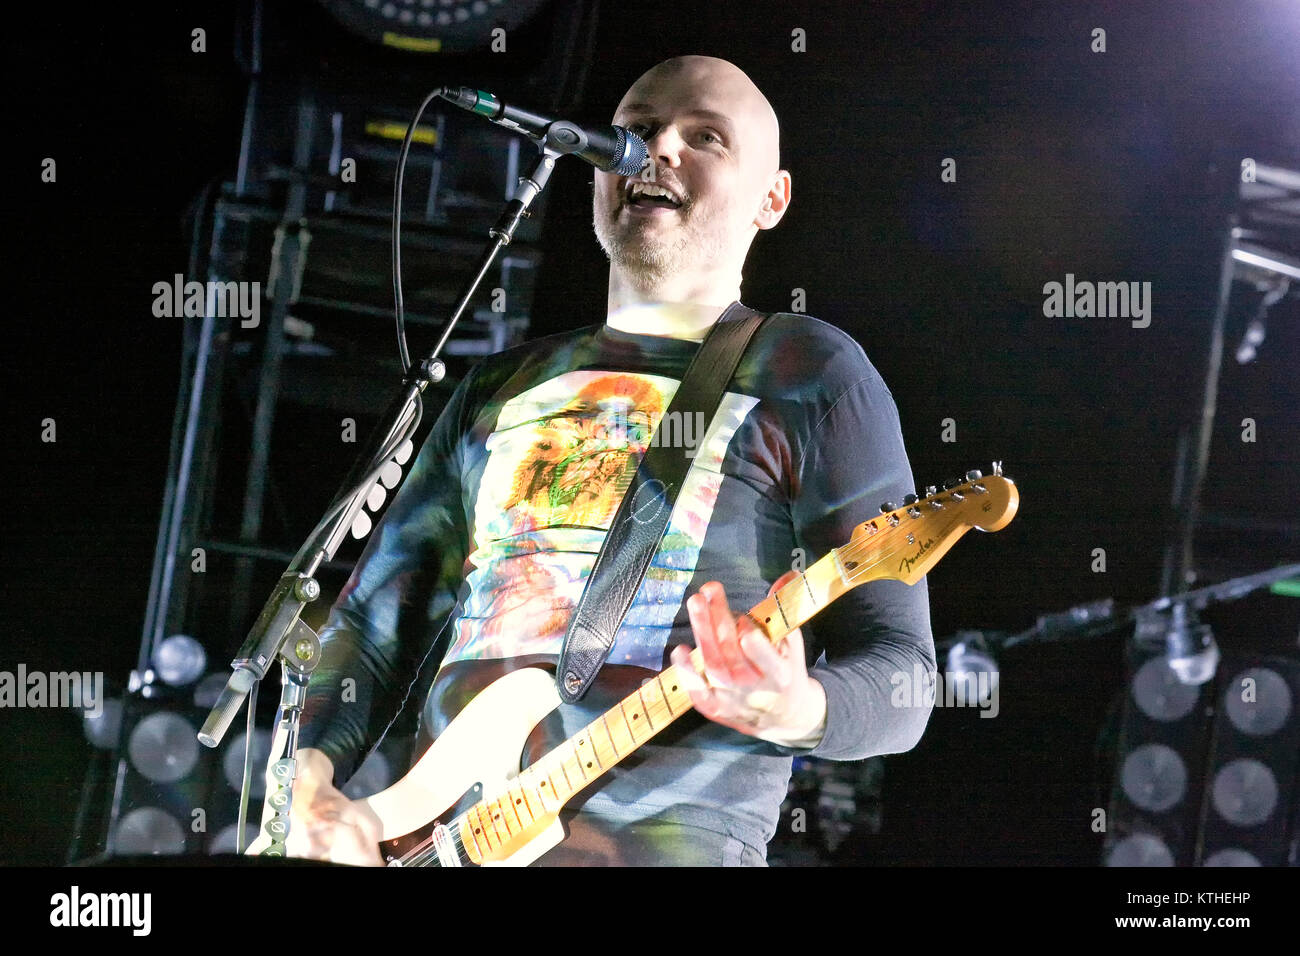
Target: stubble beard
x,y
647,256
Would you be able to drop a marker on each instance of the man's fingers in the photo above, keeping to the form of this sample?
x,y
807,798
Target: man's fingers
x,y
326,825
706,638
744,678
704,697
740,669
356,847
767,660
686,673
727,664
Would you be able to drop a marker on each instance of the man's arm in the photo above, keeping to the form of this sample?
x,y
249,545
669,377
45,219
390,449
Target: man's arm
x,y
844,707
880,630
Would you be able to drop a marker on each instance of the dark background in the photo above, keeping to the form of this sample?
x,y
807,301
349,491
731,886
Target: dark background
x,y
1113,166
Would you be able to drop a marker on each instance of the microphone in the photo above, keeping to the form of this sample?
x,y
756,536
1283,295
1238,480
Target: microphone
x,y
609,148
1190,648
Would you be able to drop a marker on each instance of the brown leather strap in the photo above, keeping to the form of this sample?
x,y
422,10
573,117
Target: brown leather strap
x,y
642,516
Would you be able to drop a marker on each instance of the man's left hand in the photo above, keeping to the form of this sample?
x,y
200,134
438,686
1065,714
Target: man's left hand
x,y
747,684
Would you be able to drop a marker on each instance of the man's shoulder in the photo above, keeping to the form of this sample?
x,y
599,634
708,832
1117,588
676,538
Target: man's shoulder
x,y
800,348
808,331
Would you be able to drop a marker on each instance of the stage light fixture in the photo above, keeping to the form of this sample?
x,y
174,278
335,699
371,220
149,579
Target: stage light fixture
x,y
1244,792
1154,777
1160,694
102,729
163,747
1140,849
1158,786
232,763
224,841
1252,797
148,831
431,26
179,660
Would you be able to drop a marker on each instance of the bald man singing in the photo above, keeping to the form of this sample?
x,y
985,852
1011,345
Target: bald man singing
x,y
480,559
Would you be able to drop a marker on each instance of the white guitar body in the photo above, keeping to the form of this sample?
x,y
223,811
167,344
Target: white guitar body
x,y
481,747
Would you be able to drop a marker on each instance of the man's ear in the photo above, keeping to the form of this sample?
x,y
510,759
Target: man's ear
x,y
775,202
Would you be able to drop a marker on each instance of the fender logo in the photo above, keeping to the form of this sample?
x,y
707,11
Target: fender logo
x,y
908,563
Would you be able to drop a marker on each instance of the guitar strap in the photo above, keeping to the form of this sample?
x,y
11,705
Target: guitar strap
x,y
643,514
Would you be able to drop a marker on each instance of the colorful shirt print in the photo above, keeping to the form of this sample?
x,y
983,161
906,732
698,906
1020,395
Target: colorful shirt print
x,y
560,460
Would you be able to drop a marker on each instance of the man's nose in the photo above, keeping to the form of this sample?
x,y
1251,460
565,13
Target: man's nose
x,y
665,146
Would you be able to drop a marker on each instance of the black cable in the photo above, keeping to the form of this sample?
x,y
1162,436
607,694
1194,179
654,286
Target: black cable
x,y
402,351
249,726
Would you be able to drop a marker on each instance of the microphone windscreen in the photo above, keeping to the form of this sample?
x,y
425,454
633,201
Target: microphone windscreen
x,y
631,153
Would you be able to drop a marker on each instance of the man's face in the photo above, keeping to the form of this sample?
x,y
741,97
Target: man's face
x,y
711,139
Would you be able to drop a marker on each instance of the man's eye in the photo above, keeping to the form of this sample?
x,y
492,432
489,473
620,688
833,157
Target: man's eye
x,y
712,137
639,128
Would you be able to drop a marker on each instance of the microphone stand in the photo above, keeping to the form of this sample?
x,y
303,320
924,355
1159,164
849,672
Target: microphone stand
x,y
279,632
1172,616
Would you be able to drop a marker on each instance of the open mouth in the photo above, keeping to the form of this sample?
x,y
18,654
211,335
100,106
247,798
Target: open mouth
x,y
649,196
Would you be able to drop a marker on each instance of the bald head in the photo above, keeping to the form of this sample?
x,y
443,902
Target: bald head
x,y
714,182
718,86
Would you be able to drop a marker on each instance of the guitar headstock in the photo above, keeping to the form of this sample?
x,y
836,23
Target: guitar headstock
x,y
905,542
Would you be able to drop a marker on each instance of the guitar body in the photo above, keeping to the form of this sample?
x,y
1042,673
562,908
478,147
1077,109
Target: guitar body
x,y
480,748
477,756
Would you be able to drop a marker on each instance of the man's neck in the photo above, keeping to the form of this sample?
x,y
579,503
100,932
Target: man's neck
x,y
678,309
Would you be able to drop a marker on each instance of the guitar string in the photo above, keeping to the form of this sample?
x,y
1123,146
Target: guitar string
x,y
850,551
425,853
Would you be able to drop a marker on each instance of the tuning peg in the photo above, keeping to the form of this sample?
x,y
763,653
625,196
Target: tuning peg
x,y
391,474
361,525
375,500
887,507
974,475
931,491
909,500
951,483
997,469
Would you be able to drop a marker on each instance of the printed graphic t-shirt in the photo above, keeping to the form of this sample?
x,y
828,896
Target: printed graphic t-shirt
x,y
485,550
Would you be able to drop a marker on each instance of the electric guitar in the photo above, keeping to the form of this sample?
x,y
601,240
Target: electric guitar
x,y
517,818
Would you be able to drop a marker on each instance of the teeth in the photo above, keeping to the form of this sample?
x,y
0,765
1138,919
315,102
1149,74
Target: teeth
x,y
650,189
